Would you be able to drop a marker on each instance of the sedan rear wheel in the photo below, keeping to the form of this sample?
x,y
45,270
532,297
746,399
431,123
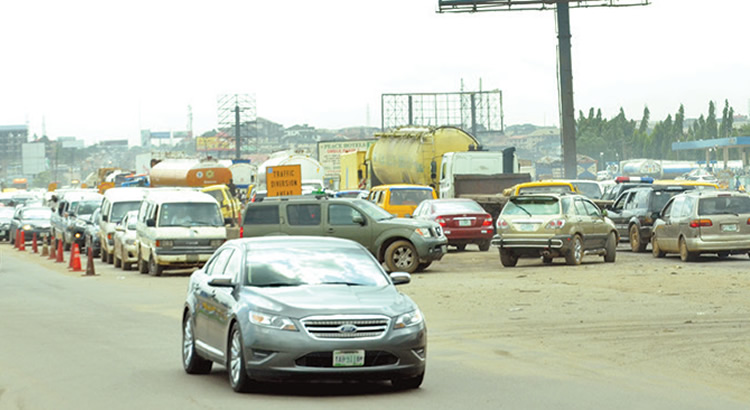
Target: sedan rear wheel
x,y
192,363
484,246
401,256
610,248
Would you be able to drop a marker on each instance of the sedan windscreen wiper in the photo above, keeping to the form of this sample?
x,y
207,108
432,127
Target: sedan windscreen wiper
x,y
342,283
274,284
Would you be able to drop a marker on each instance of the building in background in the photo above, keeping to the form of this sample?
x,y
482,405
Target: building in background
x,y
12,138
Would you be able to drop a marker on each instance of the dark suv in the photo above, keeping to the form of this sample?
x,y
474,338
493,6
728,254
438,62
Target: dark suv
x,y
403,244
633,211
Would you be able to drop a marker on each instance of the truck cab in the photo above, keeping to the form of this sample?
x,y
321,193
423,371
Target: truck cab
x,y
480,164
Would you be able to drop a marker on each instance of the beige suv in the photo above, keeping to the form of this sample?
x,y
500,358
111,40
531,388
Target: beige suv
x,y
700,221
553,225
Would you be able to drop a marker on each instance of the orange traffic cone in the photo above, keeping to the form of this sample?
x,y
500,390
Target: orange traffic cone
x,y
75,258
15,238
90,262
53,248
34,247
45,247
60,257
21,242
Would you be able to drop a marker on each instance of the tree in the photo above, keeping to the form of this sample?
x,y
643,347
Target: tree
x,y
711,130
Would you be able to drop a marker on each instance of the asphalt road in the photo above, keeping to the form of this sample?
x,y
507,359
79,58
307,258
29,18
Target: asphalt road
x,y
113,342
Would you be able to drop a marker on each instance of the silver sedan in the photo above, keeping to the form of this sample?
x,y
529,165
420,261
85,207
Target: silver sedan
x,y
320,308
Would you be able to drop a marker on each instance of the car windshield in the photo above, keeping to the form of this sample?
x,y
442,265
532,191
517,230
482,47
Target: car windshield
x,y
452,207
119,209
190,214
589,189
40,213
409,196
308,265
532,206
373,211
724,205
88,207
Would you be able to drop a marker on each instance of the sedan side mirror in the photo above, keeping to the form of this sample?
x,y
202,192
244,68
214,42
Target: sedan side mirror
x,y
221,282
400,278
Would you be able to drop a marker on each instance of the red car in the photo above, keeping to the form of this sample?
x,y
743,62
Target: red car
x,y
464,221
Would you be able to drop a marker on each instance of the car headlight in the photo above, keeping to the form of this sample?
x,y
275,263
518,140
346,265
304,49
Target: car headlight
x,y
215,243
424,232
409,319
272,321
27,227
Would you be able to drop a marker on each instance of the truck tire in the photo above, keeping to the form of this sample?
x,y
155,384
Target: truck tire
x,y
401,256
142,265
154,269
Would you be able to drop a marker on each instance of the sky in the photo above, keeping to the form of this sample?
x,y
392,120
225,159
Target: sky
x,y
103,70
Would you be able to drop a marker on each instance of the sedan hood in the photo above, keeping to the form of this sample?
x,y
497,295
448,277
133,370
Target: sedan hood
x,y
36,223
301,301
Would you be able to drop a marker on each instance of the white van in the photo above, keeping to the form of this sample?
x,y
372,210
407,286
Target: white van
x,y
116,203
178,229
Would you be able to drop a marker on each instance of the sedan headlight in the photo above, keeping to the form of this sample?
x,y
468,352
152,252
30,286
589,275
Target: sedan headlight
x,y
408,319
424,232
272,321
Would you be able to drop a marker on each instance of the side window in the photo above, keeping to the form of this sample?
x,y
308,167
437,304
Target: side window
x,y
667,210
591,209
142,211
218,263
620,204
305,214
341,214
687,207
420,209
380,198
580,209
566,206
234,265
262,215
217,196
641,199
676,206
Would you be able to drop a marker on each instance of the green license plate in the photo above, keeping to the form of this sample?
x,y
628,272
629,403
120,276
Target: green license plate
x,y
348,358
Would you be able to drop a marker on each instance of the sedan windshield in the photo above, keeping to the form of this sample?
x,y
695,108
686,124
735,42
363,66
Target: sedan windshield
x,y
312,266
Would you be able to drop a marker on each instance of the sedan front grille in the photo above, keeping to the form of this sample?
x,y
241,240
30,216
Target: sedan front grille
x,y
346,327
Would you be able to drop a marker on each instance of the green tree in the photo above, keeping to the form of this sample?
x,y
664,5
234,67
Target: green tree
x,y
711,126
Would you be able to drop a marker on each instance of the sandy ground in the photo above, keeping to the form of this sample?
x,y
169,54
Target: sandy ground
x,y
686,323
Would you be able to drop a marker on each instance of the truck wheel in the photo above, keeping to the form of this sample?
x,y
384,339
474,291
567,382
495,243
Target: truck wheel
x,y
484,246
575,254
154,269
610,248
401,256
142,265
507,258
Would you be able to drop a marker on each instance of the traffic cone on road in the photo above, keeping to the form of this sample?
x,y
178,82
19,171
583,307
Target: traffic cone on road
x,y
21,242
53,248
75,258
34,247
45,248
60,257
15,238
89,262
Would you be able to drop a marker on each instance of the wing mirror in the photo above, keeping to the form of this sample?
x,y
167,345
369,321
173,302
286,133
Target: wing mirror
x,y
221,282
358,219
150,223
400,278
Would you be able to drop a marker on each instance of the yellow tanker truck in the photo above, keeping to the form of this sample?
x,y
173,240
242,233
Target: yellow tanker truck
x,y
448,159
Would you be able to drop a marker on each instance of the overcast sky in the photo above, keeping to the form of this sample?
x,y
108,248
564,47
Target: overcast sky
x,y
100,70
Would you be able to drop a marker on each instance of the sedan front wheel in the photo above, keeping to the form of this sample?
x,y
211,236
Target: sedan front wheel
x,y
238,378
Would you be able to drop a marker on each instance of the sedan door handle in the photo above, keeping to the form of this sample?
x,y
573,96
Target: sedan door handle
x,y
330,230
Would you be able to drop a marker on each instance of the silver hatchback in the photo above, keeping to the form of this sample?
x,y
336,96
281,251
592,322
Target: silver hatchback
x,y
702,221
321,308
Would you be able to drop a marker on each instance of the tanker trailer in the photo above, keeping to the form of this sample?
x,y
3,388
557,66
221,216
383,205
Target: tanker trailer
x,y
413,155
189,173
311,171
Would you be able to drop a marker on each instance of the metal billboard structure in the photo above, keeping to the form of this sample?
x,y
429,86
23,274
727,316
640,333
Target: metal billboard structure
x,y
234,110
475,111
564,63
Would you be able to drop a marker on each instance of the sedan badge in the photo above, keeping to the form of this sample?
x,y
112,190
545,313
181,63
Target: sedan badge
x,y
347,328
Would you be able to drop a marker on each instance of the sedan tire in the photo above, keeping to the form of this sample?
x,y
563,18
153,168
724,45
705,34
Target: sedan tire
x,y
610,248
401,256
192,363
238,378
484,246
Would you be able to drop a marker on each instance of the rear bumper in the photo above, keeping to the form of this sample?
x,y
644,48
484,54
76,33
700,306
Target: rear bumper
x,y
730,245
533,245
